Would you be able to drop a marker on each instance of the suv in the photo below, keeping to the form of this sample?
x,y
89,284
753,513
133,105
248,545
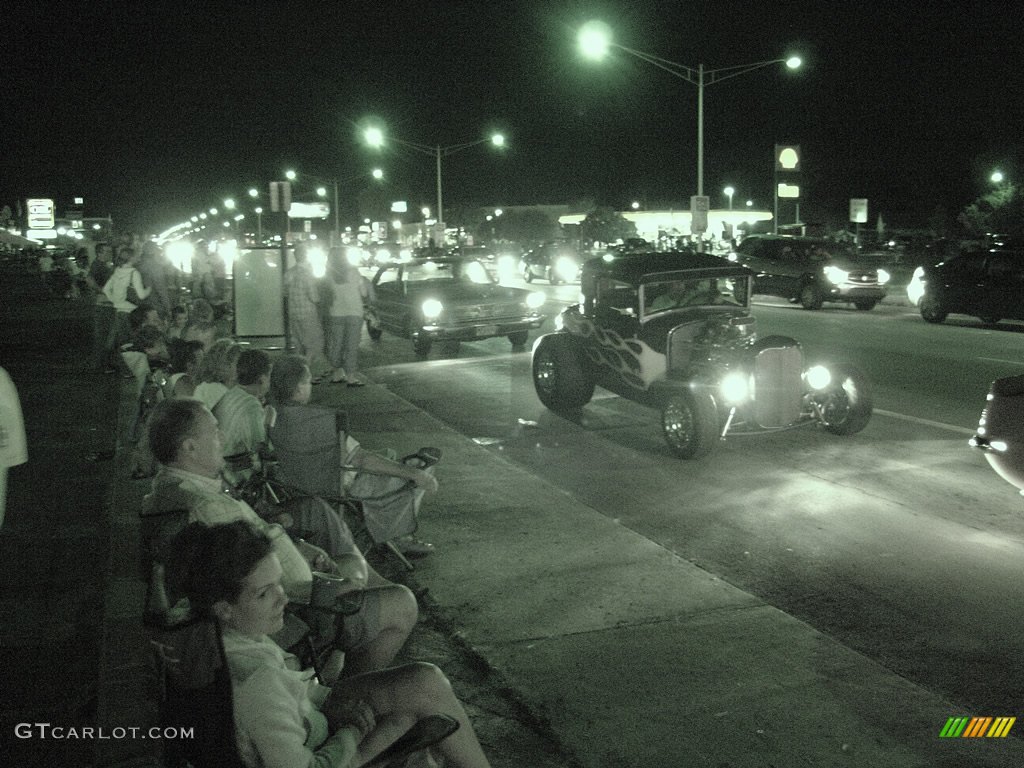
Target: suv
x,y
810,271
673,330
556,262
985,282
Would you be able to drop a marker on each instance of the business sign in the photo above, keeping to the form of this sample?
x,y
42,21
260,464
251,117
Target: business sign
x,y
788,190
859,210
309,211
399,206
40,214
787,157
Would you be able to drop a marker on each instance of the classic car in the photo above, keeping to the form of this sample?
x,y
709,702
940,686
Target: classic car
x,y
556,262
673,330
450,300
810,271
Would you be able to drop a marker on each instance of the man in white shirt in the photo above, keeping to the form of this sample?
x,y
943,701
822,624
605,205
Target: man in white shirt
x,y
186,440
13,445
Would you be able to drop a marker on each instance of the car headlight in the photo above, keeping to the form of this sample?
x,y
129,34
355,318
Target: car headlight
x,y
536,300
836,275
566,268
883,277
818,377
915,288
735,387
432,309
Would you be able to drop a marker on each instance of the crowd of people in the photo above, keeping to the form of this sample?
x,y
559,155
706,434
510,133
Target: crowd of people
x,y
216,414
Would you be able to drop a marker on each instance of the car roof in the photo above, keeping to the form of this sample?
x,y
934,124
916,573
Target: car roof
x,y
643,266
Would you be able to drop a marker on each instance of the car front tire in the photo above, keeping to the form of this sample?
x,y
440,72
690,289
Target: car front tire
x,y
810,297
689,421
528,275
421,346
847,406
560,377
931,310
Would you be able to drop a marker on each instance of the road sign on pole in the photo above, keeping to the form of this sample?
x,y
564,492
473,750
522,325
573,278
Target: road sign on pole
x,y
699,205
280,196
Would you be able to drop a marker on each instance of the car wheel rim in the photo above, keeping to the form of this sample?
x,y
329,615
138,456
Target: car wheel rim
x,y
545,374
679,425
837,409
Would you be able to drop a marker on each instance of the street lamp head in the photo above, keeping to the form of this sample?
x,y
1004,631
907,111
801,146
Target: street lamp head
x,y
229,204
321,191
997,177
794,62
594,39
374,137
378,173
290,175
498,140
254,192
729,191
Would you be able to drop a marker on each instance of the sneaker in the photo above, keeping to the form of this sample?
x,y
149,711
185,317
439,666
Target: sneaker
x,y
339,377
413,547
356,381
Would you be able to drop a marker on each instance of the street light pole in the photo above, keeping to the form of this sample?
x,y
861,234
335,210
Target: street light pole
x,y
375,137
595,41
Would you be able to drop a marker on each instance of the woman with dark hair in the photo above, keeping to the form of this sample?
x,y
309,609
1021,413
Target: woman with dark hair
x,y
283,717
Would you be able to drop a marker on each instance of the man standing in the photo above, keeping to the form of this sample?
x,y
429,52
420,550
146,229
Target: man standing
x,y
96,277
307,332
186,440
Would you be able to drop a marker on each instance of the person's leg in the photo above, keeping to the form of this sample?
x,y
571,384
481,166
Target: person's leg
x,y
373,637
352,331
390,505
335,340
399,697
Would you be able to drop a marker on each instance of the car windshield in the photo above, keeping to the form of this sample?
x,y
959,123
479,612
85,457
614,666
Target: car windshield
x,y
665,295
440,270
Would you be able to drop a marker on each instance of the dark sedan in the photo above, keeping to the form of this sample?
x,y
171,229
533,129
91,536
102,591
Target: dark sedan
x,y
449,300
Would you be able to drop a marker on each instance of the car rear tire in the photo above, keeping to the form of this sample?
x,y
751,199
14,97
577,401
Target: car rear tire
x,y
810,297
551,276
689,422
560,376
847,406
528,275
421,346
931,310
519,338
865,305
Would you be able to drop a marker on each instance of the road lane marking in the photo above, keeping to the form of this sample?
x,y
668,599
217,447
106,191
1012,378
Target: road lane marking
x,y
927,422
1000,360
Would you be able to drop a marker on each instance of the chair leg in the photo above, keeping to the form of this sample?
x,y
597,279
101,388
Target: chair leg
x,y
398,553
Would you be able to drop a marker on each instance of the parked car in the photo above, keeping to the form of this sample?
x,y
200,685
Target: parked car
x,y
673,330
810,271
556,262
500,264
451,300
985,282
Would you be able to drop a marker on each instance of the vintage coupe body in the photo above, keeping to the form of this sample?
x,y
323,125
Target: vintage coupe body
x,y
449,300
674,331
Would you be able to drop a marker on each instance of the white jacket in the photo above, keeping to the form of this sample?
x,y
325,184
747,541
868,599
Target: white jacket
x,y
116,288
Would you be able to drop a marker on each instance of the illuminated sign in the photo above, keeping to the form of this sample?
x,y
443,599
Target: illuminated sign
x,y
40,213
787,158
789,190
859,210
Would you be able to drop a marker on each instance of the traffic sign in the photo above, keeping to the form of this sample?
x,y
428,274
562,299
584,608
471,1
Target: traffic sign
x,y
859,210
699,205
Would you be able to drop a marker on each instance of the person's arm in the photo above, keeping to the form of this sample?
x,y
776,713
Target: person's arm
x,y
140,290
378,465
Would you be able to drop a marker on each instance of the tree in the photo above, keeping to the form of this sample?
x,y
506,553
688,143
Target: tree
x,y
604,224
1001,210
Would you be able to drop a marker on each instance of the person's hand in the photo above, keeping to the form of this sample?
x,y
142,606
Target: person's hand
x,y
425,480
354,713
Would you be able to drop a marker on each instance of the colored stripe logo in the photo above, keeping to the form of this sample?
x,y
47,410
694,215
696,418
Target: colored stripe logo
x,y
977,727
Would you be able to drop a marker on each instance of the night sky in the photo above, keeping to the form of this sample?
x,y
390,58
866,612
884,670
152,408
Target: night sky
x,y
153,111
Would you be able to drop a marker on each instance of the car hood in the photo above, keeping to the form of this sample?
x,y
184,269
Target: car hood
x,y
468,293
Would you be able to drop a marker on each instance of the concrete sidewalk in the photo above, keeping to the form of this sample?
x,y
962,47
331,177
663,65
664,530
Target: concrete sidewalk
x,y
605,648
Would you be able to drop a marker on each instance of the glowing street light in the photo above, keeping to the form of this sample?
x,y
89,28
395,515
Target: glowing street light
x,y
729,192
595,40
229,204
997,177
374,136
321,191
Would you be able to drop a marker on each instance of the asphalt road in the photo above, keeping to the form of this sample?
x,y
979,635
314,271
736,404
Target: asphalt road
x,y
900,542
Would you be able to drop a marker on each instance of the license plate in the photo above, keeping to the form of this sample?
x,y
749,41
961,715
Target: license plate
x,y
486,330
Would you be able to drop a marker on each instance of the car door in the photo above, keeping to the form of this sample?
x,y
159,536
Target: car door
x,y
752,254
1004,290
390,303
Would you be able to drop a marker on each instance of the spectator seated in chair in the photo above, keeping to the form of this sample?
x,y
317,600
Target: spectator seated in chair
x,y
242,412
307,438
186,441
282,717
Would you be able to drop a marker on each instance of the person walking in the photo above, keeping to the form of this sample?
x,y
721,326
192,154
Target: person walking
x,y
350,290
125,291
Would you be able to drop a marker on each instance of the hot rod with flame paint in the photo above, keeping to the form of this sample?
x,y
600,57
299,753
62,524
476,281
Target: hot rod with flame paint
x,y
673,330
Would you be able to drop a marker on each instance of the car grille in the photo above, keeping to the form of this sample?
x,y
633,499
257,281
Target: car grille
x,y
863,278
778,386
472,313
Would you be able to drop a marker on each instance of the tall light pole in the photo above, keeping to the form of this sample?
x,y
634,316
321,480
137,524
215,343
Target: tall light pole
x,y
375,138
595,40
291,175
729,192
